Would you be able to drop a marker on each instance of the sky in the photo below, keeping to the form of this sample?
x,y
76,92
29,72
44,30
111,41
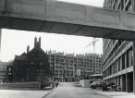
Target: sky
x,y
97,3
15,42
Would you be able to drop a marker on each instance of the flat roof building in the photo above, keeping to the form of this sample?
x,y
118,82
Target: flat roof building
x,y
118,58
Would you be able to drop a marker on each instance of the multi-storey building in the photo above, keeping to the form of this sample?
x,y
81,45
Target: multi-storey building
x,y
118,58
89,64
57,63
68,67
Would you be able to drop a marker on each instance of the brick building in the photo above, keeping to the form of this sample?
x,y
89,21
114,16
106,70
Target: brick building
x,y
31,66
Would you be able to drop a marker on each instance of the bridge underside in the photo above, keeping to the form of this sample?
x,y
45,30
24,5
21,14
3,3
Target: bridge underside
x,y
65,28
66,18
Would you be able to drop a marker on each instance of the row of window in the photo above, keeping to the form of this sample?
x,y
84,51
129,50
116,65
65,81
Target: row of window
x,y
116,49
125,61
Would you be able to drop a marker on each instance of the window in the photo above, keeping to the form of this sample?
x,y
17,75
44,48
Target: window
x,y
123,61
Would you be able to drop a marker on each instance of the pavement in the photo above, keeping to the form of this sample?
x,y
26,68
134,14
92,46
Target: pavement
x,y
5,93
72,90
114,94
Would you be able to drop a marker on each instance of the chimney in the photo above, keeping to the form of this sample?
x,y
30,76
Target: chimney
x,y
28,48
39,42
35,42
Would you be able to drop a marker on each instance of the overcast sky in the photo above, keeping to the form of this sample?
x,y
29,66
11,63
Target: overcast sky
x,y
14,42
97,3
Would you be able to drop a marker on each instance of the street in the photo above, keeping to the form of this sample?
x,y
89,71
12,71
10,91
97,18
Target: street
x,y
70,90
64,90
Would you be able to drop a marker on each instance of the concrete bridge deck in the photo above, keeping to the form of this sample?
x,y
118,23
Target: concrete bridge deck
x,y
59,17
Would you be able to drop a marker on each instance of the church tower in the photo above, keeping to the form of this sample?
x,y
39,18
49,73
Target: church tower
x,y
37,43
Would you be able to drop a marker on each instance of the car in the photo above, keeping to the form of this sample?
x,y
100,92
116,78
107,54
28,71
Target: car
x,y
97,84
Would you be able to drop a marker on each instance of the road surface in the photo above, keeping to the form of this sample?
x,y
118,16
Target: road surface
x,y
64,90
70,90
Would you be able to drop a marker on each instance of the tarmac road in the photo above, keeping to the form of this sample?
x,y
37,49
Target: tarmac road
x,y
70,90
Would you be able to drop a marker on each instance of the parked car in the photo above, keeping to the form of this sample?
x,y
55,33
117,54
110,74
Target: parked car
x,y
97,84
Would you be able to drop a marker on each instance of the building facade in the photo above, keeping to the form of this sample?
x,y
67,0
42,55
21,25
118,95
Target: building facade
x,y
3,71
68,67
118,58
31,66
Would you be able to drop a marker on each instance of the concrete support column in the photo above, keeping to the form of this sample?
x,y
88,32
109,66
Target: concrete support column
x,y
121,82
134,67
130,82
126,82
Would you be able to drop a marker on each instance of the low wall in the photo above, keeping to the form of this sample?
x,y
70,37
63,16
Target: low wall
x,y
21,85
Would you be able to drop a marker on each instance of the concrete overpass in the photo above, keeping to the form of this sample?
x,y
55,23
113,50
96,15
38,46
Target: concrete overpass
x,y
65,18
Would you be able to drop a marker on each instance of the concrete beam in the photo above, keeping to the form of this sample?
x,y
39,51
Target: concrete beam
x,y
125,71
66,18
